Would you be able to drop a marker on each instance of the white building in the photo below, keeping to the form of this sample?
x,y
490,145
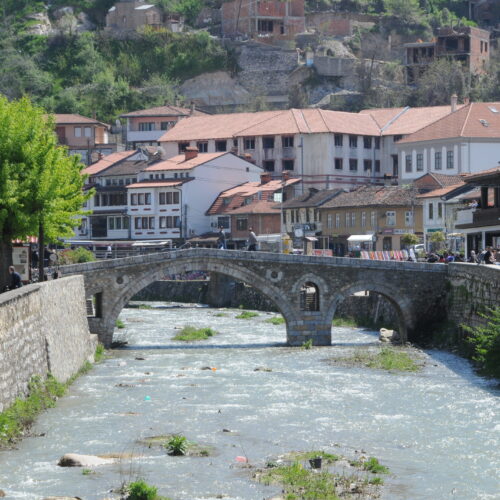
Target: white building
x,y
170,198
327,149
459,143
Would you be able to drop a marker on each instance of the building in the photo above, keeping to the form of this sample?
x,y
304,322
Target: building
x,y
480,222
109,177
485,12
372,218
252,204
130,15
145,127
468,45
171,197
265,20
459,143
84,136
327,149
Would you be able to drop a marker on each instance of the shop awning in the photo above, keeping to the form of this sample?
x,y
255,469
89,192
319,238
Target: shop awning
x,y
360,237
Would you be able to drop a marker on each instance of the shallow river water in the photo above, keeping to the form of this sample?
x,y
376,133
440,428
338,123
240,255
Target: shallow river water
x,y
437,430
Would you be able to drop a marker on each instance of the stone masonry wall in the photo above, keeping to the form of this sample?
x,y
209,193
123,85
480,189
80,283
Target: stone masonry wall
x,y
472,288
43,328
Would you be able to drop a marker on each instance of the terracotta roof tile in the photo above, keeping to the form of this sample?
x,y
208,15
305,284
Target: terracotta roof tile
x,y
312,198
163,111
440,192
258,207
73,119
179,162
108,161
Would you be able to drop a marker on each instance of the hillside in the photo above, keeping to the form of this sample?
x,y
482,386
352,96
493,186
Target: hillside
x,y
75,67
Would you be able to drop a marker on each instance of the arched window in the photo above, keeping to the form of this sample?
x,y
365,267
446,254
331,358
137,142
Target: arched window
x,y
309,297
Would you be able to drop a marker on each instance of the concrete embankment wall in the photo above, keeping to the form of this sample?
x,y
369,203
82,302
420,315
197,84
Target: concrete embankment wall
x,y
472,289
43,329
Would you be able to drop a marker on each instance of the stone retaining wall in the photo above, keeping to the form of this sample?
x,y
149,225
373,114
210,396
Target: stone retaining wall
x,y
43,328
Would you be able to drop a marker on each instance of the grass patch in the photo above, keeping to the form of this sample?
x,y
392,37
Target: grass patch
x,y
220,315
178,445
119,323
100,353
372,465
145,306
345,322
140,490
387,358
16,420
87,472
190,333
307,344
328,458
277,320
376,480
247,315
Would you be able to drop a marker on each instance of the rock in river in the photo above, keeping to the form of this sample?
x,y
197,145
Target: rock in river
x,y
75,460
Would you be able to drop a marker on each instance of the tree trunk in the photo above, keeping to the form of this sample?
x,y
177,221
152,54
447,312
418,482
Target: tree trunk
x,y
5,262
41,253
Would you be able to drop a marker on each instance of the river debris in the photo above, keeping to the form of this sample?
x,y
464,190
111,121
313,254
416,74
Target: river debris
x,y
262,369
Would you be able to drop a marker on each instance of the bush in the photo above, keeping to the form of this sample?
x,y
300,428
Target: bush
x,y
189,333
177,445
485,341
77,256
140,490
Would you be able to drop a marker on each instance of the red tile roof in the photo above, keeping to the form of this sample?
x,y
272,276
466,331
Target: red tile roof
x,y
108,161
440,192
258,207
478,119
179,162
154,184
373,196
163,111
73,119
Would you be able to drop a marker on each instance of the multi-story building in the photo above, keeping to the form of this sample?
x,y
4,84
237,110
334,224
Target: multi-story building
x,y
84,136
144,127
468,45
171,197
326,149
130,15
375,216
266,20
459,143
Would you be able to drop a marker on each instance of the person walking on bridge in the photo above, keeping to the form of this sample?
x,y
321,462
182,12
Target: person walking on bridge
x,y
15,278
221,240
252,240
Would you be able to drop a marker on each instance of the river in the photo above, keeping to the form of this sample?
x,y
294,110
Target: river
x,y
437,430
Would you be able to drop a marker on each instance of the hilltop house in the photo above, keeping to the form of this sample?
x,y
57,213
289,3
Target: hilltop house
x,y
84,136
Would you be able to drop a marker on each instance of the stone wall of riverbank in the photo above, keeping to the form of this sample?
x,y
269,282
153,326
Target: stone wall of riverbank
x,y
43,329
472,289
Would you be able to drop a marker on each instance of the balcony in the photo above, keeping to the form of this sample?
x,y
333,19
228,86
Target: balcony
x,y
465,216
144,136
478,217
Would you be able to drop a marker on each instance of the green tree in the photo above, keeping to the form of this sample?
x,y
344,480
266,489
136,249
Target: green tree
x,y
41,187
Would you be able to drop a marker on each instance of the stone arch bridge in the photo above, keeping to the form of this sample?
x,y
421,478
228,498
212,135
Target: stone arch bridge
x,y
306,289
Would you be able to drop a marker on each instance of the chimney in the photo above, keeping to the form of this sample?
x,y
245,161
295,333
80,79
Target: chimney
x,y
454,101
100,156
190,153
265,177
466,101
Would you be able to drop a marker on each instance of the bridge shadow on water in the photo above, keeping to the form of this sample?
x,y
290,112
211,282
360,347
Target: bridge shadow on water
x,y
198,347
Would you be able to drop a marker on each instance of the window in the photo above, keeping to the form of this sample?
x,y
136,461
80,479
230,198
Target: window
x,y
166,125
431,211
397,138
97,201
183,146
353,164
353,219
367,165
449,159
329,221
288,164
133,199
117,223
437,160
223,222
367,142
377,165
78,131
353,141
147,199
387,243
269,165
363,219
420,162
242,224
408,219
169,222
268,142
146,126
265,26
338,163
339,140
249,142
287,142
202,147
144,222
373,219
87,132
390,218
377,142
440,210
408,167
337,220
220,146
108,182
347,219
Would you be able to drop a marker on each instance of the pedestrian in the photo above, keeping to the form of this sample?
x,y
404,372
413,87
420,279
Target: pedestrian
x,y
252,240
473,259
221,239
488,256
109,252
15,278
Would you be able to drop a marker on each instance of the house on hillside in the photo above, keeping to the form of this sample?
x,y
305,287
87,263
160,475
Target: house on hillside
x,y
468,45
171,197
87,137
130,15
145,127
459,143
326,149
264,20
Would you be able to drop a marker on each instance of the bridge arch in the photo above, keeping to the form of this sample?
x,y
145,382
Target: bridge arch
x,y
402,304
156,272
